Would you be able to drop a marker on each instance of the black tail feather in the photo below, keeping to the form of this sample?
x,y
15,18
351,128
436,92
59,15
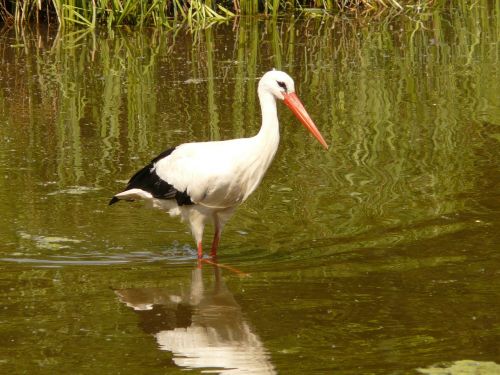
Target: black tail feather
x,y
113,200
146,179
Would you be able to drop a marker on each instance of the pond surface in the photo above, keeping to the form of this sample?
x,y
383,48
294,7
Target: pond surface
x,y
378,256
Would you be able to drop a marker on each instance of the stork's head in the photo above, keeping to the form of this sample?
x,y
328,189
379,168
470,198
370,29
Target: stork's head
x,y
277,83
282,87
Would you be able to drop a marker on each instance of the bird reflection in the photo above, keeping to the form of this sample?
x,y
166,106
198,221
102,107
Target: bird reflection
x,y
203,328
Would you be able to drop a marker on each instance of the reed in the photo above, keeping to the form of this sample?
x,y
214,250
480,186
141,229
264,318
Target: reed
x,y
169,13
99,97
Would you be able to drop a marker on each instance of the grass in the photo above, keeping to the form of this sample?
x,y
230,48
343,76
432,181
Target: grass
x,y
169,13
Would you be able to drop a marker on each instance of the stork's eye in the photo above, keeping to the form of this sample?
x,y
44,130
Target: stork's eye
x,y
282,85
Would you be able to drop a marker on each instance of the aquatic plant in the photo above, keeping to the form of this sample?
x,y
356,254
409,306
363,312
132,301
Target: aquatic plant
x,y
169,13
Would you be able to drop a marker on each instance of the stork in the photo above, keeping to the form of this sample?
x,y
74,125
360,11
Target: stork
x,y
206,181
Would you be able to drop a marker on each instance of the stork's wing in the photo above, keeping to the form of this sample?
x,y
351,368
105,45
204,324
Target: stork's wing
x,y
212,174
147,182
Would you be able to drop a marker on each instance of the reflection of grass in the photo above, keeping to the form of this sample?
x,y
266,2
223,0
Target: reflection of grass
x,y
195,12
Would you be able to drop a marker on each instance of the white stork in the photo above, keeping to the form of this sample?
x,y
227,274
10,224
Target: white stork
x,y
206,181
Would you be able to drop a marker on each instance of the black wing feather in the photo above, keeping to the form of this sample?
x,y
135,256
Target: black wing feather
x,y
146,179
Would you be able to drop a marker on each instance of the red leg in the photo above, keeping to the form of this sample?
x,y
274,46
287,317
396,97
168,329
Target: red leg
x,y
215,244
200,251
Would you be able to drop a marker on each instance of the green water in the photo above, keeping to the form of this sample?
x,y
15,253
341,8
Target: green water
x,y
379,256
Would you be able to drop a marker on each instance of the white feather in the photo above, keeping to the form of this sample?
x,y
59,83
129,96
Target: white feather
x,y
218,176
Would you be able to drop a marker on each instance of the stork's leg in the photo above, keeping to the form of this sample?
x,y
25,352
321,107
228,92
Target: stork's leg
x,y
215,243
220,219
218,231
197,224
200,250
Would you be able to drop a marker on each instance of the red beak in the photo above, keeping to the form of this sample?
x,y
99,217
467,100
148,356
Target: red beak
x,y
293,102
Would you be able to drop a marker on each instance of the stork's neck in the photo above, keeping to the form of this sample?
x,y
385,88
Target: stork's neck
x,y
269,134
267,140
264,145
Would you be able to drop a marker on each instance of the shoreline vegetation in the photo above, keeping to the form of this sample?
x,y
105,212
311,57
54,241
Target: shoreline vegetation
x,y
370,74
171,13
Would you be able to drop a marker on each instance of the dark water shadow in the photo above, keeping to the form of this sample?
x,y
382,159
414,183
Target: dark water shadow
x,y
201,325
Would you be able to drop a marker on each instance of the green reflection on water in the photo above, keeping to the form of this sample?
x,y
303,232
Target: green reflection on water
x,y
380,256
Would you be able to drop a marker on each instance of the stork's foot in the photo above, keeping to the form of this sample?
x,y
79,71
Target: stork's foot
x,y
225,266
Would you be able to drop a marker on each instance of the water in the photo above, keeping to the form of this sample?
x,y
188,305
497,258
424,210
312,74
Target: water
x,y
379,256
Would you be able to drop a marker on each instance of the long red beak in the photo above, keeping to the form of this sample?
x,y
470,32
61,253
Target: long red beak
x,y
293,102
